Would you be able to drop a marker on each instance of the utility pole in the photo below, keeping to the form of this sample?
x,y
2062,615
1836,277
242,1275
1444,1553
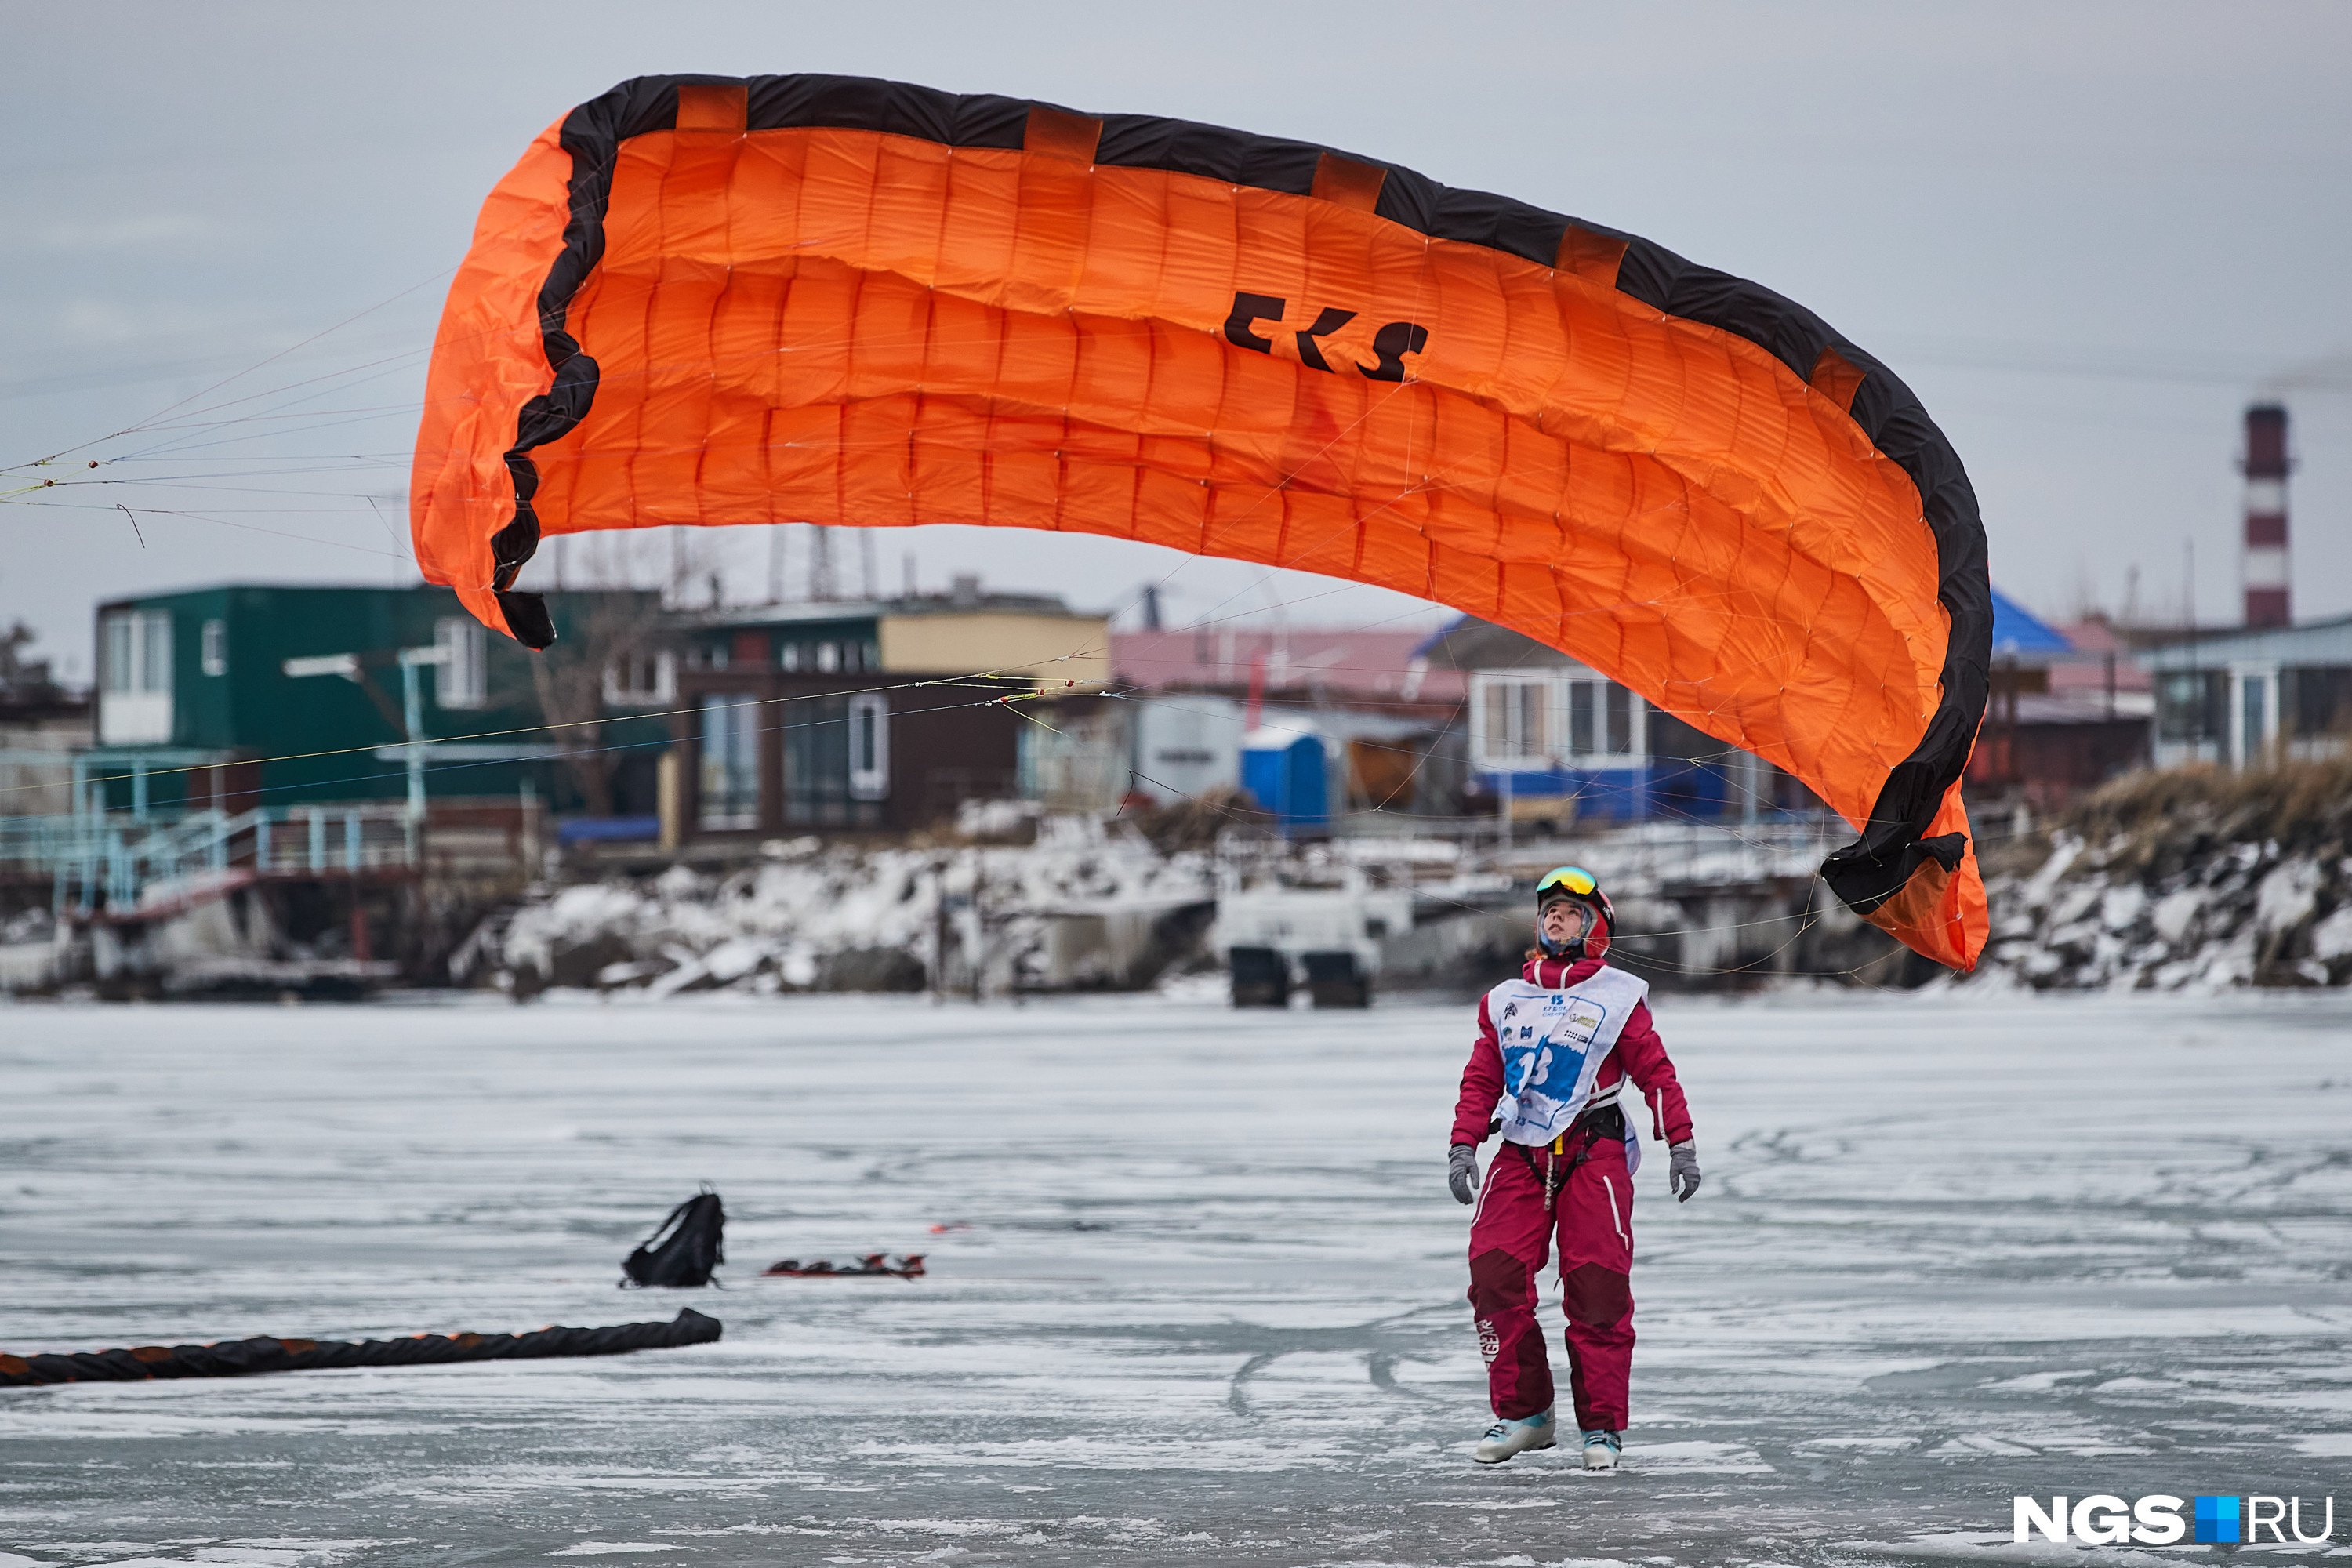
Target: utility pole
x,y
979,926
412,718
939,932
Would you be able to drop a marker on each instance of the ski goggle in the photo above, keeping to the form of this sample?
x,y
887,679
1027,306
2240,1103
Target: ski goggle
x,y
1566,881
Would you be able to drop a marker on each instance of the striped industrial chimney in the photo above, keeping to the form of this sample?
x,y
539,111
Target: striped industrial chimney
x,y
2264,563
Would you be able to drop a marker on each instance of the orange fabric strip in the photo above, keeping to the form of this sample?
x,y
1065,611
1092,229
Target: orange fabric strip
x,y
1592,256
1059,134
1837,378
1346,182
711,108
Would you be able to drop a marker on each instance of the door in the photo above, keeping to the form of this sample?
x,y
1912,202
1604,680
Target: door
x,y
2254,714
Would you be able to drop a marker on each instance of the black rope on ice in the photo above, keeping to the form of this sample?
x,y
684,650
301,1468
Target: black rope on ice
x,y
242,1358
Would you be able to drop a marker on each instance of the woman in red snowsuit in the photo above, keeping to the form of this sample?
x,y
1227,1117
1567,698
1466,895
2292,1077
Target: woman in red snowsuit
x,y
1555,1046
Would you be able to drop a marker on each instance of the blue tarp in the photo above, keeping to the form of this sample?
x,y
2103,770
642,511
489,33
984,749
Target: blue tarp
x,y
2015,630
608,830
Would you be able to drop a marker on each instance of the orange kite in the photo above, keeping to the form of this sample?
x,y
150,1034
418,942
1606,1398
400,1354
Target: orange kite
x,y
833,299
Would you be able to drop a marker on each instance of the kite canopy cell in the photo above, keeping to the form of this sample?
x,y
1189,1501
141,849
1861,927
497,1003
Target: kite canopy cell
x,y
707,300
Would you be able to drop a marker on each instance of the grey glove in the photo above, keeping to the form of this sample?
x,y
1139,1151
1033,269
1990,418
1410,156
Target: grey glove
x,y
1684,1176
1461,1173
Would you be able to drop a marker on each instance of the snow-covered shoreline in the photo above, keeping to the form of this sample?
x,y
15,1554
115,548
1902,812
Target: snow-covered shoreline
x,y
2187,881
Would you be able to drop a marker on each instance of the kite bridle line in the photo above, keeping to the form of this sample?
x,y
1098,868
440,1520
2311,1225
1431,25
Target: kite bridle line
x,y
956,681
598,751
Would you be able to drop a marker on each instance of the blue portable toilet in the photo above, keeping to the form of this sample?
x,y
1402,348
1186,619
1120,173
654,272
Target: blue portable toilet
x,y
1284,771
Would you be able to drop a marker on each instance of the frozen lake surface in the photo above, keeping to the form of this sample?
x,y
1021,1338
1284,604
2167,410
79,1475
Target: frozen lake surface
x,y
1208,1308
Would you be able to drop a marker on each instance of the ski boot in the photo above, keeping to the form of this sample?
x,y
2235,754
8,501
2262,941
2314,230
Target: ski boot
x,y
1505,1438
1601,1448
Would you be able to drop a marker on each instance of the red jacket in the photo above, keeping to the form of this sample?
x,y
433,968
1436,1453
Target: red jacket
x,y
1640,1056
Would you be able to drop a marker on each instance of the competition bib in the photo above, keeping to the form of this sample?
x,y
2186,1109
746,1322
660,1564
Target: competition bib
x,y
1553,1045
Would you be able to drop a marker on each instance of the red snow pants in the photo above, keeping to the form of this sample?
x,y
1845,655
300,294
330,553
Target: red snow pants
x,y
1510,1237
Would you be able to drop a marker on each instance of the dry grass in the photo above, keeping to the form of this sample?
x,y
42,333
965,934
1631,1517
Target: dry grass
x,y
2153,817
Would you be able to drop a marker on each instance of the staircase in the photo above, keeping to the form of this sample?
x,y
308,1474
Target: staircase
x,y
118,866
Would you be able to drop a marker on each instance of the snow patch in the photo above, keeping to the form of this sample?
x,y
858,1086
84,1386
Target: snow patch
x,y
2287,896
1080,908
2175,913
2331,939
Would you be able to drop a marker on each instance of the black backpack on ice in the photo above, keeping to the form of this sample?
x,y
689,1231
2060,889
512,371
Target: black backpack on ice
x,y
684,1249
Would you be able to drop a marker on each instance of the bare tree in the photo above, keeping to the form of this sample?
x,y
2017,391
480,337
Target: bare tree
x,y
23,679
611,635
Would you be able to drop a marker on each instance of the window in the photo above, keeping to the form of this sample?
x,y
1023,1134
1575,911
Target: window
x,y
820,746
463,682
731,764
817,763
642,680
2317,698
138,652
1512,721
1604,723
2190,704
121,668
135,681
1570,719
869,747
155,654
847,654
215,645
1621,722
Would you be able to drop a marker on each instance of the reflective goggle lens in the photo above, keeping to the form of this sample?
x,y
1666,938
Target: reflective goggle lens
x,y
1568,879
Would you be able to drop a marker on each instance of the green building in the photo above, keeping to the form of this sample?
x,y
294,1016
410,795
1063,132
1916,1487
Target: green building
x,y
246,695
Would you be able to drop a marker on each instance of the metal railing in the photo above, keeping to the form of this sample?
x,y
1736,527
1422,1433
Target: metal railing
x,y
118,861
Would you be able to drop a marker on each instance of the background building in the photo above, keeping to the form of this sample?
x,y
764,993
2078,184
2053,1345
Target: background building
x,y
1549,739
870,716
2067,710
1188,707
42,726
2250,698
246,694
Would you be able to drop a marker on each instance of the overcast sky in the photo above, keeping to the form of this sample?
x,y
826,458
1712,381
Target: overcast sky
x,y
2087,234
